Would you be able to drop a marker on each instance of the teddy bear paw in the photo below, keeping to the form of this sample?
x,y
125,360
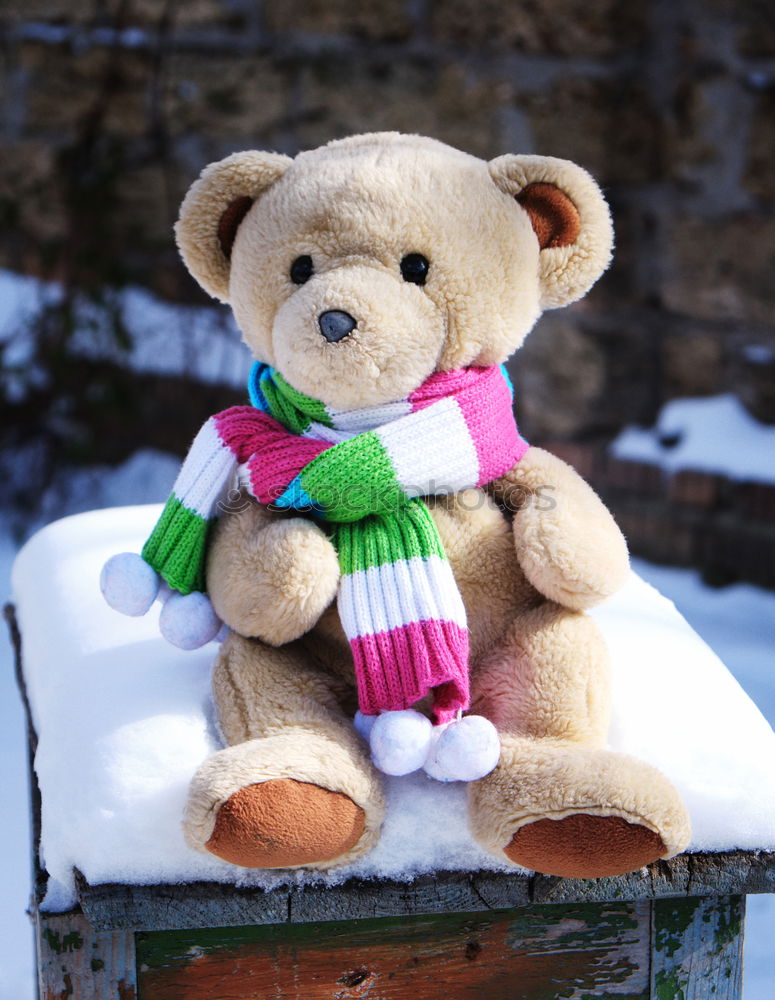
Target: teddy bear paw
x,y
284,823
584,846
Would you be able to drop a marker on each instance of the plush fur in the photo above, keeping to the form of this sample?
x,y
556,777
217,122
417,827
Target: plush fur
x,y
504,241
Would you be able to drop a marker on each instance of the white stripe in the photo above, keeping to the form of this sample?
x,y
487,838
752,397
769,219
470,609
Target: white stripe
x,y
319,432
432,451
368,418
394,594
207,473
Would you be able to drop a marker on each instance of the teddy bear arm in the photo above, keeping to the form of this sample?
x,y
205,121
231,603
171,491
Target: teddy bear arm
x,y
567,542
270,577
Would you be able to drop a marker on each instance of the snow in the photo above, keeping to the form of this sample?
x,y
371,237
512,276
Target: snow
x,y
124,719
710,434
166,338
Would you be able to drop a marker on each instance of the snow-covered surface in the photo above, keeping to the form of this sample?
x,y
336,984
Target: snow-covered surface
x,y
200,342
712,434
737,621
124,719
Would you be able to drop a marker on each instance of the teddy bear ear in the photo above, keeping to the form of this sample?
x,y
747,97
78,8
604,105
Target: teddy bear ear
x,y
569,216
213,209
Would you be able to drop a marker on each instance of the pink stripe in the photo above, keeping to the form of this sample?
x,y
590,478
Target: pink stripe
x,y
274,455
442,384
498,443
244,428
397,668
276,463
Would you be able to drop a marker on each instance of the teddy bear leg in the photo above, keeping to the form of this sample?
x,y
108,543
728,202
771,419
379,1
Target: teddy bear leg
x,y
294,787
559,802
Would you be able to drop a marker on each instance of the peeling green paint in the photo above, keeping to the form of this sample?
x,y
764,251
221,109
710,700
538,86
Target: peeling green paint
x,y
59,943
668,987
674,917
698,947
728,923
550,927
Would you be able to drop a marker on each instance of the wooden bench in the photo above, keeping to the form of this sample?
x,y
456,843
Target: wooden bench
x,y
673,931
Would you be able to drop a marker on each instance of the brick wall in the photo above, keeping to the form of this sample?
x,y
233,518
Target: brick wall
x,y
111,107
723,527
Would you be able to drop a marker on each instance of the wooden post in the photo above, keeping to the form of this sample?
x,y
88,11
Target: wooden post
x,y
697,948
77,963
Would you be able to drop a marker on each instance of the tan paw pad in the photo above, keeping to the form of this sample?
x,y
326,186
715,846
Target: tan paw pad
x,y
584,846
283,823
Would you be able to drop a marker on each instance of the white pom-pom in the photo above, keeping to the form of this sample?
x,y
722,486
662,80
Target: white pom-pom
x,y
364,724
399,741
129,584
463,750
189,621
223,633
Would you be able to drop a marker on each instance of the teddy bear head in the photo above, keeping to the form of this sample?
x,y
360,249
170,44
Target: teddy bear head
x,y
360,268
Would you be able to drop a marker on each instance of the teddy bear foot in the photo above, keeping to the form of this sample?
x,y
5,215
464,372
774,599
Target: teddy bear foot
x,y
584,846
285,823
299,797
576,811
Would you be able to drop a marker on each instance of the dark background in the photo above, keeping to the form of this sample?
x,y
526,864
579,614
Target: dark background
x,y
110,109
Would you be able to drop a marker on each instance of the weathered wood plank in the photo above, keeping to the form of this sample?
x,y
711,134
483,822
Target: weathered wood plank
x,y
209,904
700,874
114,906
76,963
535,953
698,948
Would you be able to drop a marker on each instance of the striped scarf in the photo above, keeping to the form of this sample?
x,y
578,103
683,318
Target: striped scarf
x,y
362,472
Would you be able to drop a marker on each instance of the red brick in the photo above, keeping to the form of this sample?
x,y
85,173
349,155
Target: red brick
x,y
756,501
639,479
696,489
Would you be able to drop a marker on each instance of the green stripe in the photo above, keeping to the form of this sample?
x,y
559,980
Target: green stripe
x,y
282,409
177,545
293,400
353,479
381,539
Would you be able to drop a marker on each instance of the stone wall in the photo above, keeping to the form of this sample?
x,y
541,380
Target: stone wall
x,y
111,107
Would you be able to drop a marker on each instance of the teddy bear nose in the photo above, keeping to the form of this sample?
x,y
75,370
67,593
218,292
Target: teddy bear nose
x,y
335,324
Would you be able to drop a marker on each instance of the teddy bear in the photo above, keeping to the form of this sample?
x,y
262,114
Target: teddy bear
x,y
391,547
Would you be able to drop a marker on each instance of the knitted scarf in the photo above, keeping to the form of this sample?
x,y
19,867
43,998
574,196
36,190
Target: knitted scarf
x,y
362,472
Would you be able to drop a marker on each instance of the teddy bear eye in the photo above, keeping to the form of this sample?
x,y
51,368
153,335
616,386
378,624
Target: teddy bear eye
x,y
414,268
301,270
